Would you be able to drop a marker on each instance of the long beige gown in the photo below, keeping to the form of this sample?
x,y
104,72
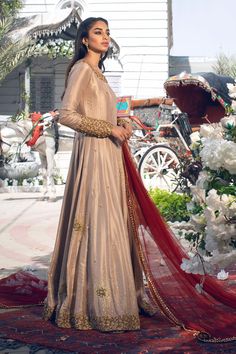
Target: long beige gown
x,y
95,278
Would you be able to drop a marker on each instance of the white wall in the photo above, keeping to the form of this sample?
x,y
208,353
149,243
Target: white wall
x,y
141,30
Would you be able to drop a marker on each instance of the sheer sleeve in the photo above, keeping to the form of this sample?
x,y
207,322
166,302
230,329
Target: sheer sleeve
x,y
78,81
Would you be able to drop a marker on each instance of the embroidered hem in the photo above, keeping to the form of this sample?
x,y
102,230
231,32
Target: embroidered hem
x,y
126,322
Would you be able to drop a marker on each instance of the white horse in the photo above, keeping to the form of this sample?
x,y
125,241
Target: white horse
x,y
18,133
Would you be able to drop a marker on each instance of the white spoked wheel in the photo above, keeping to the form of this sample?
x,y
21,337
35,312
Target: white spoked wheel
x,y
159,168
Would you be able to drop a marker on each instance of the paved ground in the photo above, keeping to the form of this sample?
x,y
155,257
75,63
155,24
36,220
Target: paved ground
x,y
27,236
27,231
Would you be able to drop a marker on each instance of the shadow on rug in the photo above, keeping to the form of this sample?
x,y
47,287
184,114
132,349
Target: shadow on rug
x,y
156,336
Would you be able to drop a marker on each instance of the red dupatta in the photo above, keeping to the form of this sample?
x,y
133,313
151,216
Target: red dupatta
x,y
211,313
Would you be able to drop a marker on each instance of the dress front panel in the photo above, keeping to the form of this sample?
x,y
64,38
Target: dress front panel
x,y
91,278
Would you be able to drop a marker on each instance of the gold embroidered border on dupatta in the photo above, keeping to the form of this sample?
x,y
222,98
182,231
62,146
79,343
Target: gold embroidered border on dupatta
x,y
156,297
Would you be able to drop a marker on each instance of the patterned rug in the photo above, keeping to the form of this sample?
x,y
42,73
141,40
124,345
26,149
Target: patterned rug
x,y
156,336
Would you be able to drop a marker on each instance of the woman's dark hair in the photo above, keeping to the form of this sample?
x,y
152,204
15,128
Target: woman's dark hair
x,y
81,50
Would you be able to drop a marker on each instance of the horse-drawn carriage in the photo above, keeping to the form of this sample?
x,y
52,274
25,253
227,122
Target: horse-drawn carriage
x,y
165,139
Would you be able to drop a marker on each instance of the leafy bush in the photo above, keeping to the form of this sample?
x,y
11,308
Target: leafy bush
x,y
172,206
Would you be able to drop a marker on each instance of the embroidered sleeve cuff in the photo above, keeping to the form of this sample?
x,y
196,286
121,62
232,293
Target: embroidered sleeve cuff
x,y
95,127
122,121
91,126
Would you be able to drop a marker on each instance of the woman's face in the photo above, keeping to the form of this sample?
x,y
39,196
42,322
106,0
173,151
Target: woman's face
x,y
98,37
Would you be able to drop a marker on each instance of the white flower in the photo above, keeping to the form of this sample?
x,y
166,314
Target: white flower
x,y
213,199
219,153
222,275
210,243
199,194
228,120
195,265
202,180
198,221
225,259
212,131
232,90
229,162
45,50
195,137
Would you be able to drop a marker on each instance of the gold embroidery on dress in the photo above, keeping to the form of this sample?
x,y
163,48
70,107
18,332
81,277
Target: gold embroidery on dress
x,y
78,226
90,126
101,292
102,323
95,127
47,312
81,322
63,319
147,307
122,121
113,323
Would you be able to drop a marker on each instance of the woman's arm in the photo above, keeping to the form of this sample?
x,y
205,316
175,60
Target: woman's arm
x,y
78,81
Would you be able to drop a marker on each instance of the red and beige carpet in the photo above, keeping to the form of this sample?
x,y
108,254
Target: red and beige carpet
x,y
156,336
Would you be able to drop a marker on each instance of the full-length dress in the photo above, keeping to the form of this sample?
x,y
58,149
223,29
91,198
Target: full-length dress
x,y
95,278
109,232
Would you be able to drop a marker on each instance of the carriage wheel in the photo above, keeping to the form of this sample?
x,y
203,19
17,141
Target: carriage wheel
x,y
158,168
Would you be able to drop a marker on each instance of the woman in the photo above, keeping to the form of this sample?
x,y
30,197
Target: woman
x,y
109,229
95,279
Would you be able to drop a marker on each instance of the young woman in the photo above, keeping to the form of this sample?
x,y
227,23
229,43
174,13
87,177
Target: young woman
x,y
95,279
110,231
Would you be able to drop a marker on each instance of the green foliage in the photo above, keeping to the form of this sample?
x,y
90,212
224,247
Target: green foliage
x,y
196,239
230,133
172,206
222,181
18,116
9,8
12,53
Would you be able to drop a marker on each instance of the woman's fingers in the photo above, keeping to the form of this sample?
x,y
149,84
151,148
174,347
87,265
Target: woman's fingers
x,y
121,133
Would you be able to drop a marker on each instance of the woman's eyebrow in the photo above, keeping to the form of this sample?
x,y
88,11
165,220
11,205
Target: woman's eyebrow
x,y
97,28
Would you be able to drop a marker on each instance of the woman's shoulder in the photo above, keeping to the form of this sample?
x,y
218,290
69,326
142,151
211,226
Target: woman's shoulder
x,y
80,71
85,67
81,65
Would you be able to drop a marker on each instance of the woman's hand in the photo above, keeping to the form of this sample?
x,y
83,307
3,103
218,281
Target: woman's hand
x,y
121,133
129,128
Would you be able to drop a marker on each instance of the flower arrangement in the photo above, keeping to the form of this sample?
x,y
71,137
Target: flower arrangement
x,y
213,203
54,48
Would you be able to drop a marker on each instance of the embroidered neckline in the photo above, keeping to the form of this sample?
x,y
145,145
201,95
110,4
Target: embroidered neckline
x,y
96,71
